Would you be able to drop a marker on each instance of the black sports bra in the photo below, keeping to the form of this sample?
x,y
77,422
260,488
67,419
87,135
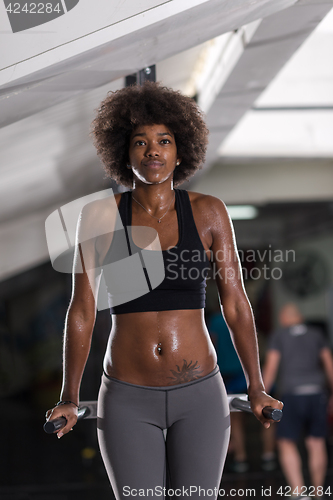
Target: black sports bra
x,y
139,280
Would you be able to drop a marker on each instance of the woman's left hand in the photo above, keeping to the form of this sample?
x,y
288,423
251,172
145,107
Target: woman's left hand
x,y
259,399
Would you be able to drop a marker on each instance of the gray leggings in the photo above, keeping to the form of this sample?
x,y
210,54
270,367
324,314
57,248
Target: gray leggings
x,y
136,454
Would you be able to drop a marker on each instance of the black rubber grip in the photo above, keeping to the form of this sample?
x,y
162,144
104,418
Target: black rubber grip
x,y
272,413
268,412
58,423
55,425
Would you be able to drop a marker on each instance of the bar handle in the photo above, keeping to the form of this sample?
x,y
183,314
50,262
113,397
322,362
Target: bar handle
x,y
56,424
268,412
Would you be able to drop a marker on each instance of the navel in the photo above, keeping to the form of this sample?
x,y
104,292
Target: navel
x,y
159,348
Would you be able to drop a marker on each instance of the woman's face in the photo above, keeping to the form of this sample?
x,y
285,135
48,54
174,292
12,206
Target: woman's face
x,y
152,154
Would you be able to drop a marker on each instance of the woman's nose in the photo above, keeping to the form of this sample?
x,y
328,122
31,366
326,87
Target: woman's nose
x,y
152,150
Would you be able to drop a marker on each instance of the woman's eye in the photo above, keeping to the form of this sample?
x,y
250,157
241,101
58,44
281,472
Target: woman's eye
x,y
165,141
140,143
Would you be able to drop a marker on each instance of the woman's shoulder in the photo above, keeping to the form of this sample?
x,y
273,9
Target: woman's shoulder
x,y
98,217
98,208
208,204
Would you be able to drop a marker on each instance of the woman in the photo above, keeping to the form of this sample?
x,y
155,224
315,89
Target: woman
x,y
160,367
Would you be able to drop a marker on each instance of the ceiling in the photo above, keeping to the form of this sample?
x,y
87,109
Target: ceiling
x,y
231,54
294,115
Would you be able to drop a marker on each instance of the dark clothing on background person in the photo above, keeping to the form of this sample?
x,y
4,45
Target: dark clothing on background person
x,y
307,412
302,381
300,368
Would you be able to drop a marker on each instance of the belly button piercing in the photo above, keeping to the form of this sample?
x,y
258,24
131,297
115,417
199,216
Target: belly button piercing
x,y
159,349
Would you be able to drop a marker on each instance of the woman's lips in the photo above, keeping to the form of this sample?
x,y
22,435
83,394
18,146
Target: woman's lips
x,y
153,164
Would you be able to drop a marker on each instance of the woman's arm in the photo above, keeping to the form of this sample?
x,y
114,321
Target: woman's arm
x,y
80,320
235,305
79,324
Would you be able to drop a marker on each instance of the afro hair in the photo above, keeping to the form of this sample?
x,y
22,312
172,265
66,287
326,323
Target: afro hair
x,y
124,110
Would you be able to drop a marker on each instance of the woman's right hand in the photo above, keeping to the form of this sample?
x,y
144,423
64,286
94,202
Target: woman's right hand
x,y
69,411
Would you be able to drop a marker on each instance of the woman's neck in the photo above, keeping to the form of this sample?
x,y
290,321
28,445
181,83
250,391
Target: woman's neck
x,y
154,197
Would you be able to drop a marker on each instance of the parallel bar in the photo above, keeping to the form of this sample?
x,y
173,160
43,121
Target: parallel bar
x,y
88,409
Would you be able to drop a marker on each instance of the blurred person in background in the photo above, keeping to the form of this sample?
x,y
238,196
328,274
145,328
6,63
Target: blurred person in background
x,y
301,355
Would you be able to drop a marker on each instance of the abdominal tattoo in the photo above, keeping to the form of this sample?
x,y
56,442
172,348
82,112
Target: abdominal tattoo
x,y
186,373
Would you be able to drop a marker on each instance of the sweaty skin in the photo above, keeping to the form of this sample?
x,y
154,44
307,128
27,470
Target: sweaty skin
x,y
160,348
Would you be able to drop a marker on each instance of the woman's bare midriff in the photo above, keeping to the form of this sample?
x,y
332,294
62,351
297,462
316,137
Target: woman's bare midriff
x,y
159,348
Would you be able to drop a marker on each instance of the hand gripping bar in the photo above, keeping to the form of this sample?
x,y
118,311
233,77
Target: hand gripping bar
x,y
87,409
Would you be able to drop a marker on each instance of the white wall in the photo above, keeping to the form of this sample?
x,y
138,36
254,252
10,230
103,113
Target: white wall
x,y
257,181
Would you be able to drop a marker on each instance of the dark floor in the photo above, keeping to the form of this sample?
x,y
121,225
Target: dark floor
x,y
37,466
